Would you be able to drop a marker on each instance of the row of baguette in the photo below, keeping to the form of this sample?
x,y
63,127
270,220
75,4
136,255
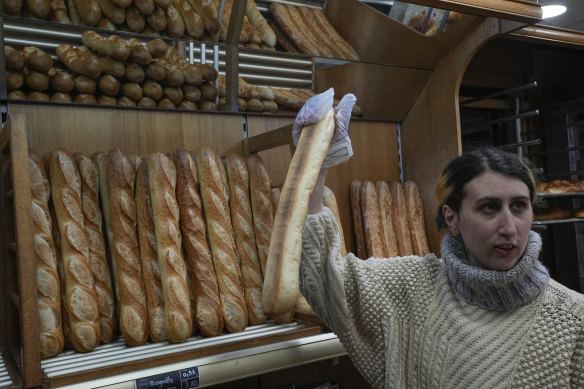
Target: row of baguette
x,y
188,19
388,219
111,71
158,248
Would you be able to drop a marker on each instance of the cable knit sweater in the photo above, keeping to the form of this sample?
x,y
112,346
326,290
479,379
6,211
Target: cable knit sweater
x,y
428,323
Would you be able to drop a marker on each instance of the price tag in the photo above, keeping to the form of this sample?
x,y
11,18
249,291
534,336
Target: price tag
x,y
178,379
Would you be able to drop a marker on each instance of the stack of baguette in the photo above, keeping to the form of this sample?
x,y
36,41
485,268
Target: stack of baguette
x,y
250,97
182,251
112,71
306,30
388,219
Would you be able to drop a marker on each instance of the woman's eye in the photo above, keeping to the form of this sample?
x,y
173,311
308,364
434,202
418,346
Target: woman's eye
x,y
519,206
490,208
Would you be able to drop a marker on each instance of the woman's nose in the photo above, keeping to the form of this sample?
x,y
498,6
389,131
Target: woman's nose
x,y
507,226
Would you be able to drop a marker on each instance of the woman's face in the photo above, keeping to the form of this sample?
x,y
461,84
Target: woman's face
x,y
494,219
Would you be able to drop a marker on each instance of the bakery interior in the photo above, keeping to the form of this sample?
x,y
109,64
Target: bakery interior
x,y
499,75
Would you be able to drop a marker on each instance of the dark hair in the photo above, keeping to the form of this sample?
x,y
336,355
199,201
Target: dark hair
x,y
461,170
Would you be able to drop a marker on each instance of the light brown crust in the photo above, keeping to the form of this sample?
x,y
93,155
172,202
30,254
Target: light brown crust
x,y
341,44
173,272
415,210
222,242
372,221
133,311
294,34
82,303
401,226
281,283
241,217
355,192
149,256
330,201
48,287
207,304
385,210
89,174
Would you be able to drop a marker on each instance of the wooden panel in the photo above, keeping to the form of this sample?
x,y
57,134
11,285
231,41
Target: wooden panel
x,y
431,130
549,34
134,131
383,92
388,41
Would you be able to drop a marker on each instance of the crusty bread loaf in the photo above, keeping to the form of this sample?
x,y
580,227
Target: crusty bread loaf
x,y
330,201
415,210
241,217
89,174
48,288
261,206
133,312
355,192
213,181
173,272
281,281
82,306
206,306
372,221
399,217
275,199
149,256
385,210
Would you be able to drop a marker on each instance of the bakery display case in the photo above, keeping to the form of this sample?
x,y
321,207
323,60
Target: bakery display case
x,y
407,129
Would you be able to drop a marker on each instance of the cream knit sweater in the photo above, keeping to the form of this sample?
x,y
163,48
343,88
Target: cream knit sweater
x,y
404,326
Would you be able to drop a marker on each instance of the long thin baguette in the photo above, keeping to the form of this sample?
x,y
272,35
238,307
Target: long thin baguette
x,y
385,209
215,203
133,311
48,288
415,210
399,217
241,217
372,221
149,256
173,272
330,201
257,19
355,192
207,311
82,307
281,284
89,173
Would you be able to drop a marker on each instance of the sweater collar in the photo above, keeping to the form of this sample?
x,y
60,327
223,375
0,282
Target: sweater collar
x,y
494,289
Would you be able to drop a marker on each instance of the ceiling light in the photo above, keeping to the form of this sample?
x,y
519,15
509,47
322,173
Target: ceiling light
x,y
549,11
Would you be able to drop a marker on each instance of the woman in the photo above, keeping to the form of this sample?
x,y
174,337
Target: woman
x,y
486,315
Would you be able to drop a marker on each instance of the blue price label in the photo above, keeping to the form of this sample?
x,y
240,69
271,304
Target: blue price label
x,y
177,379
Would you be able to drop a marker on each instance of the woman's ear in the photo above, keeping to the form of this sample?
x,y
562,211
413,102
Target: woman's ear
x,y
450,217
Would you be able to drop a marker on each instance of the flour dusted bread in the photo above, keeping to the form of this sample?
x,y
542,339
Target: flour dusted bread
x,y
241,217
399,217
372,227
415,211
281,283
82,307
261,205
133,312
330,201
385,211
89,174
173,272
215,197
48,288
149,256
206,306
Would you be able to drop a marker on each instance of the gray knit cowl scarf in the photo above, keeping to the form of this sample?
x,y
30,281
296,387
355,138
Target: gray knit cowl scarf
x,y
495,289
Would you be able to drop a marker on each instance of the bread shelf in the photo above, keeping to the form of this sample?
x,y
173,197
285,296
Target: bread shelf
x,y
561,221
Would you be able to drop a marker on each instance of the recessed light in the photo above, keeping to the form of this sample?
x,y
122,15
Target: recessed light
x,y
549,11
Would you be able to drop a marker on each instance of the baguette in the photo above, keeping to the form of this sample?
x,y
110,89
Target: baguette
x,y
173,272
330,32
156,19
221,239
261,206
275,199
82,305
207,305
15,59
61,97
112,12
208,13
282,39
355,191
48,293
114,46
385,209
257,19
399,218
61,81
371,221
58,12
78,62
291,30
140,53
281,283
175,24
194,24
39,8
88,11
329,200
415,211
133,312
241,216
89,174
37,59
